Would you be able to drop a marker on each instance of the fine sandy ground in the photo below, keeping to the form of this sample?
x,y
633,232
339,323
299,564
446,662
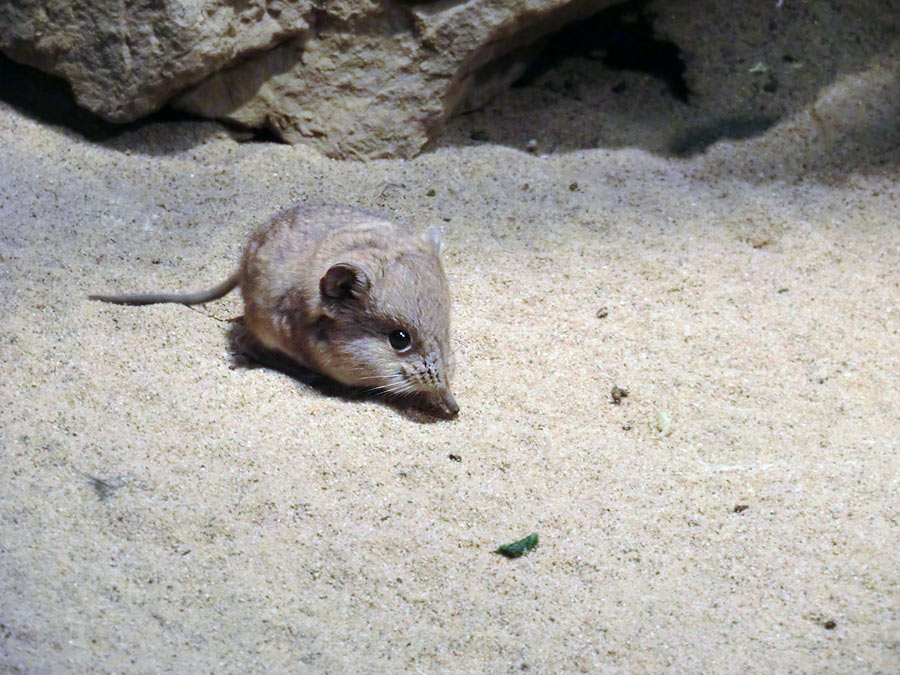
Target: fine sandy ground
x,y
163,509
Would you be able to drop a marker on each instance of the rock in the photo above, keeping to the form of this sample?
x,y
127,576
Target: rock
x,y
381,86
354,78
126,59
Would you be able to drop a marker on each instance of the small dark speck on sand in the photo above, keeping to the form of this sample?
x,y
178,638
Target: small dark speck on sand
x,y
104,488
740,507
518,548
618,394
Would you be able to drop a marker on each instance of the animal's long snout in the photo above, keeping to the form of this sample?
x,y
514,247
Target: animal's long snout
x,y
447,405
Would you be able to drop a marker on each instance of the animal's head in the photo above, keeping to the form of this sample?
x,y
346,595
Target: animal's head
x,y
389,327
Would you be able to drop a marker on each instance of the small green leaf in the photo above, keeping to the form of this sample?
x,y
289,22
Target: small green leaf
x,y
518,548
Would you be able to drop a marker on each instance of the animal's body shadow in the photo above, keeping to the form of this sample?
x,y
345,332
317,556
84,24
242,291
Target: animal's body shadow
x,y
247,353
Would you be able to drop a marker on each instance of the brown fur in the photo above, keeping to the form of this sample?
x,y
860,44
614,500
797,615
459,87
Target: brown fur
x,y
327,286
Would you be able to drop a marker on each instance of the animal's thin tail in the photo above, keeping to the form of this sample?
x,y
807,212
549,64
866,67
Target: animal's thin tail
x,y
199,298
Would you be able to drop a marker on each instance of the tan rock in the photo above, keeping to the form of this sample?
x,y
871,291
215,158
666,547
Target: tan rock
x,y
125,60
354,78
385,91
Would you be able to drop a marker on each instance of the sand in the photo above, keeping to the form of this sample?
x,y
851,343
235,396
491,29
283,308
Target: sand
x,y
163,509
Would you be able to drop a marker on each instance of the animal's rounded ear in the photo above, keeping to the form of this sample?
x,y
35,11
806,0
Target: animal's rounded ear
x,y
433,237
343,282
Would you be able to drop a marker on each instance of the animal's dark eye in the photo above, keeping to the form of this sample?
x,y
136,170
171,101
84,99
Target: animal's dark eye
x,y
399,340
